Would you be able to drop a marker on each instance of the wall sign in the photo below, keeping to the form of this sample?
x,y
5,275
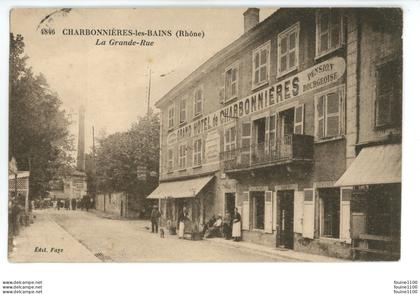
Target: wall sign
x,y
320,75
212,147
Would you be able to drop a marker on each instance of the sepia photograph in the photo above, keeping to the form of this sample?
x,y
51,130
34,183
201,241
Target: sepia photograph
x,y
229,134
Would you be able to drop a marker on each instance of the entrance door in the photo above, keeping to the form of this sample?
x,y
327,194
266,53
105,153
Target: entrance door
x,y
285,201
230,203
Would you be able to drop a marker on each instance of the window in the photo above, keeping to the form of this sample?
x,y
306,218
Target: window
x,y
258,206
288,50
328,114
170,160
198,101
171,116
329,31
182,156
230,138
329,213
261,65
183,110
231,82
388,95
197,152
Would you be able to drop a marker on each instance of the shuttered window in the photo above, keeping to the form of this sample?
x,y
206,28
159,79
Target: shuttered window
x,y
183,110
299,119
246,143
230,138
329,114
388,95
231,82
197,152
329,31
288,50
170,160
182,156
171,116
261,65
198,101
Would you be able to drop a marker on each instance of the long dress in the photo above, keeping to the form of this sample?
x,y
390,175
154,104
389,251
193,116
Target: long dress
x,y
236,229
182,218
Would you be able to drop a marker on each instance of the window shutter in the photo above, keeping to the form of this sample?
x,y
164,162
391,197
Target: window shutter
x,y
245,143
298,212
299,119
308,213
319,113
245,211
268,212
345,214
267,135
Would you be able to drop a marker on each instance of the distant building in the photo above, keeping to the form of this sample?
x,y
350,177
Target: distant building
x,y
298,124
74,185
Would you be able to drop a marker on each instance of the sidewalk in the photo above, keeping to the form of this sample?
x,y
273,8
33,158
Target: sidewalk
x,y
278,252
46,241
247,246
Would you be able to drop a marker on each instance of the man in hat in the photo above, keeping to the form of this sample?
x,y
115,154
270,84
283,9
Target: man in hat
x,y
154,217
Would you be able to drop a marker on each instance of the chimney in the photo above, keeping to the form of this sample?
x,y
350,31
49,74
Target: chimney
x,y
81,141
251,18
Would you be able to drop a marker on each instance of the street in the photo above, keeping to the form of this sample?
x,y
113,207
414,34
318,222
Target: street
x,y
79,236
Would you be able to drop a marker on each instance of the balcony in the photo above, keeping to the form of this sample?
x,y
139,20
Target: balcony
x,y
288,149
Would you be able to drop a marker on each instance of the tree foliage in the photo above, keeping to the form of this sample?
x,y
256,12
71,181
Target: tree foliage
x,y
121,155
38,127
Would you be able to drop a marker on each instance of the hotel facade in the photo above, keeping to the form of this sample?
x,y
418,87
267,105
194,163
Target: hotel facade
x,y
297,123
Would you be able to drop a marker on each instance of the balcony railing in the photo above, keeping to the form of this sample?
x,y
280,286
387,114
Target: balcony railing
x,y
286,149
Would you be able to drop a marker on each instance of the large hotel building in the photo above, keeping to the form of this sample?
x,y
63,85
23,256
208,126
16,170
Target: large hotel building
x,y
297,123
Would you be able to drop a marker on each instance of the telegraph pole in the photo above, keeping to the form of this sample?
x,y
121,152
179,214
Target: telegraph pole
x,y
148,91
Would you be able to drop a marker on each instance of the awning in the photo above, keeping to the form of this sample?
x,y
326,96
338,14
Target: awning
x,y
180,189
374,165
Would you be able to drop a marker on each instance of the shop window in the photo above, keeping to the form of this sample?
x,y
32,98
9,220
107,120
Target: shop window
x,y
171,116
258,206
183,110
288,50
329,213
230,138
170,160
388,95
328,114
182,156
197,152
329,31
261,65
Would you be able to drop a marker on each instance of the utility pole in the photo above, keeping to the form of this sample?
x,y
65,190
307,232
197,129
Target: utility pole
x,y
148,91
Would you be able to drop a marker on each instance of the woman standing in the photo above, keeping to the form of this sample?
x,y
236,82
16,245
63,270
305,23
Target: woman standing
x,y
236,229
183,217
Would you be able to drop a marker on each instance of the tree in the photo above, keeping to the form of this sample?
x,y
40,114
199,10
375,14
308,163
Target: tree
x,y
120,156
38,127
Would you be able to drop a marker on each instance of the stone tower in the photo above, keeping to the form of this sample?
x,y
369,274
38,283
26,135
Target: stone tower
x,y
81,140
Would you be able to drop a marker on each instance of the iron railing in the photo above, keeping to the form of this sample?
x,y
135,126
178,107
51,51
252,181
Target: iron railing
x,y
285,149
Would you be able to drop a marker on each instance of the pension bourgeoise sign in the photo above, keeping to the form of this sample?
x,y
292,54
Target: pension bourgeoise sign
x,y
320,75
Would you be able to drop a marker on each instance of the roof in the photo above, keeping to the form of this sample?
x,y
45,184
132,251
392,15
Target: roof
x,y
21,174
374,165
224,53
180,189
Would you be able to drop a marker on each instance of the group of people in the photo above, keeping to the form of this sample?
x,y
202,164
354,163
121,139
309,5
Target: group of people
x,y
72,204
228,226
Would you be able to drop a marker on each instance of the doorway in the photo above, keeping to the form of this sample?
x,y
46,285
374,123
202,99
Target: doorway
x,y
287,122
285,209
230,203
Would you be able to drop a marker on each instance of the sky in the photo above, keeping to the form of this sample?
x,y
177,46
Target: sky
x,y
111,81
